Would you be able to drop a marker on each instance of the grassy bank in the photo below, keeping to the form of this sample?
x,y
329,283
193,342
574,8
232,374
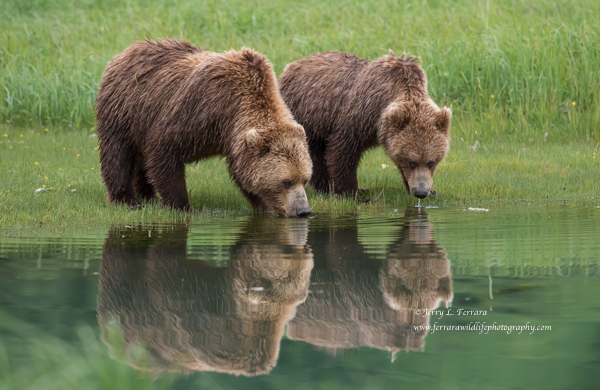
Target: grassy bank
x,y
518,69
521,77
65,166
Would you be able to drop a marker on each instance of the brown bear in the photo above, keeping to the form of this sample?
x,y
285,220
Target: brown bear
x,y
348,105
358,299
162,104
163,309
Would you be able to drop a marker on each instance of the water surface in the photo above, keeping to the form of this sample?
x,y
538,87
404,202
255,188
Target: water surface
x,y
447,298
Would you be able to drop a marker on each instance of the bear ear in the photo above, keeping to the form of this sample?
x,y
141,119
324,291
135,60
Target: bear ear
x,y
397,115
443,120
254,140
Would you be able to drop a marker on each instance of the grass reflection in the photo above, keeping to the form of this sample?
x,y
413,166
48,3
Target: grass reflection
x,y
32,359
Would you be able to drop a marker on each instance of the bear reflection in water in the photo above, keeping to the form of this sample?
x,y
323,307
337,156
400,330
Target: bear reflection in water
x,y
187,315
356,300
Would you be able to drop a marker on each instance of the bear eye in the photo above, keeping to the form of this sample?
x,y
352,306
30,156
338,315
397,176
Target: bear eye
x,y
287,184
305,182
431,164
412,165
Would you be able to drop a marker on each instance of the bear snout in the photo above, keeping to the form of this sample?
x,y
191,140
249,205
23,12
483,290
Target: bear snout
x,y
420,183
297,204
302,211
421,194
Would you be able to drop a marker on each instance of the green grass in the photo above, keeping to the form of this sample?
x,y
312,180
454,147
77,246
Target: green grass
x,y
521,77
67,164
32,359
514,69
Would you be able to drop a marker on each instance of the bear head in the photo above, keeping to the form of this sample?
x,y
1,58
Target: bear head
x,y
415,134
416,275
273,169
265,276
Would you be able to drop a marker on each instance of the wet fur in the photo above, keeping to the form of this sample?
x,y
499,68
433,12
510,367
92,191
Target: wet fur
x,y
348,105
163,104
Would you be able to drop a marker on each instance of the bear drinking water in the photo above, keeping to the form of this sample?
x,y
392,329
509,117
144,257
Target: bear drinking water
x,y
348,105
163,104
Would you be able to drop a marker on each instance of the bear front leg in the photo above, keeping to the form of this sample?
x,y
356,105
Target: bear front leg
x,y
168,178
342,166
320,177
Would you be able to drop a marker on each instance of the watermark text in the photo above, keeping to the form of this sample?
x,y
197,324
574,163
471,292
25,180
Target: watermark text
x,y
484,327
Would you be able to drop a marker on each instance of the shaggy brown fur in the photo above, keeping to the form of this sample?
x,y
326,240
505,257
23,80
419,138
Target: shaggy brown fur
x,y
190,316
347,105
164,104
357,301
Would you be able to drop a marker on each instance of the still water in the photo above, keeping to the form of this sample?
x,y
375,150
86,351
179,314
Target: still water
x,y
422,298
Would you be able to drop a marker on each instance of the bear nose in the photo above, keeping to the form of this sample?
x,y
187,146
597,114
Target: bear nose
x,y
303,211
421,194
